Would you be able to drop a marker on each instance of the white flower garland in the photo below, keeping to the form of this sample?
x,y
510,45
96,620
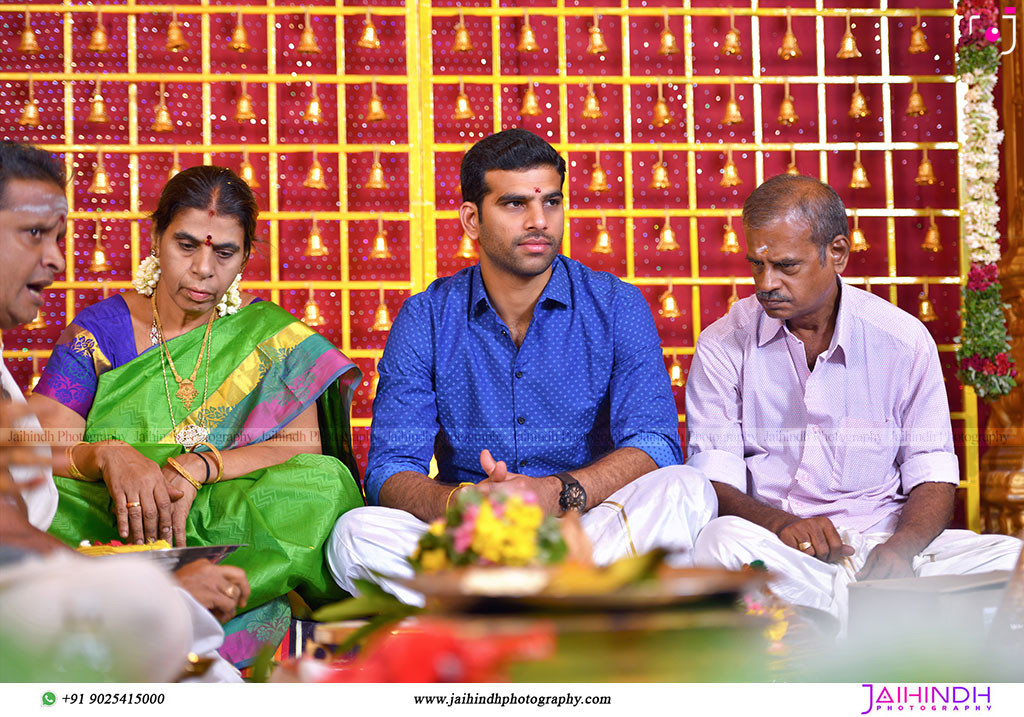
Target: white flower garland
x,y
148,275
979,167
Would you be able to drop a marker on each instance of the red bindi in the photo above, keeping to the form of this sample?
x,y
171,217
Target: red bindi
x,y
536,190
209,240
212,212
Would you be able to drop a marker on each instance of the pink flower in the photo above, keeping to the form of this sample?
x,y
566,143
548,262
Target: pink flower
x,y
989,368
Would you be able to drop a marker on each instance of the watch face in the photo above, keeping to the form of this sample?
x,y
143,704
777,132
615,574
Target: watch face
x,y
573,497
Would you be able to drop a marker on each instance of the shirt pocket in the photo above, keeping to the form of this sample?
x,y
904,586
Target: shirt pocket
x,y
865,452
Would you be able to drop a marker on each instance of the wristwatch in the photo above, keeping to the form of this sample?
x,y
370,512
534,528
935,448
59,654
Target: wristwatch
x,y
573,496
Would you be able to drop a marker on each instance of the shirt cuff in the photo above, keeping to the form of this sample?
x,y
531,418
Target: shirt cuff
x,y
721,467
938,467
376,480
656,446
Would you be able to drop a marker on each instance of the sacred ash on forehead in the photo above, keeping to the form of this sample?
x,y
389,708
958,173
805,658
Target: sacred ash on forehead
x,y
57,204
761,249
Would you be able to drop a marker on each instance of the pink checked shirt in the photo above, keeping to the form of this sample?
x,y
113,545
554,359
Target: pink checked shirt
x,y
848,440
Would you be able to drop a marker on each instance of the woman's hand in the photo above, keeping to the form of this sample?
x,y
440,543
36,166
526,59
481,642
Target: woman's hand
x,y
221,589
142,498
175,481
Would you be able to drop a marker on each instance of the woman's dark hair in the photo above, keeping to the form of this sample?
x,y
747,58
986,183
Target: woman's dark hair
x,y
207,187
511,150
818,204
23,161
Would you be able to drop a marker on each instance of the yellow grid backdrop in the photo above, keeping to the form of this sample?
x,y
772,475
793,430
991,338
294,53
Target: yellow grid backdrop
x,y
417,76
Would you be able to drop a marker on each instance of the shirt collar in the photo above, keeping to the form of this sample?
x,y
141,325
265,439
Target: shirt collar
x,y
771,327
557,290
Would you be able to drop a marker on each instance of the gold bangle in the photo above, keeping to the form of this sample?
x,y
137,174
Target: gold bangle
x,y
218,459
73,471
460,485
184,473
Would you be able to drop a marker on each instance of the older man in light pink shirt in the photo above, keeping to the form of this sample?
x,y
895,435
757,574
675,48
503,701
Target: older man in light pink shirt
x,y
818,411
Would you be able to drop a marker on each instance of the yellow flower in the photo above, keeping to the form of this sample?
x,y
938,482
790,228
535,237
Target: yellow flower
x,y
434,560
437,528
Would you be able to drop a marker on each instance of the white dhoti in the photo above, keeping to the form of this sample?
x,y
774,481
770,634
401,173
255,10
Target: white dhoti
x,y
665,508
122,615
802,579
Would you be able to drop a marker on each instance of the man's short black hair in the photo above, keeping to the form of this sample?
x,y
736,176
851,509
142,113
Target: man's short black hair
x,y
510,150
23,161
815,201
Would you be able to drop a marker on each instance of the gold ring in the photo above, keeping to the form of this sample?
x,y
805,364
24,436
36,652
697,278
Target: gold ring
x,y
231,591
134,504
804,546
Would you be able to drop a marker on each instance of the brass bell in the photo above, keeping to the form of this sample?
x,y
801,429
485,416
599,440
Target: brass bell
x,y
730,241
467,249
925,171
787,110
311,315
381,317
531,104
97,108
527,38
659,174
858,242
848,45
315,178
667,237
307,40
603,240
98,38
858,103
28,44
462,42
375,110
376,178
30,112
926,310
247,172
915,106
662,116
591,107
314,112
176,41
596,45
243,108
369,40
734,296
36,377
932,241
379,249
315,242
598,179
789,50
100,181
730,175
375,381
859,176
463,110
239,39
669,307
792,169
675,373
732,113
175,169
668,45
99,263
39,322
731,43
918,42
161,115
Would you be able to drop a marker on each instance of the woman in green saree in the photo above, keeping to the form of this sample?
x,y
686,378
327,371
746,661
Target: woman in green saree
x,y
197,405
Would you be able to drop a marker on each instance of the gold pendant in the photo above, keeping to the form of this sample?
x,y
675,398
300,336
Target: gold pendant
x,y
191,436
187,393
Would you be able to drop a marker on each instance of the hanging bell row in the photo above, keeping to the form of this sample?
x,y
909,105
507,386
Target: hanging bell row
x,y
858,241
732,114
787,109
603,239
661,116
315,177
381,316
667,237
659,173
598,178
731,43
100,183
669,308
99,264
730,174
311,314
859,175
848,45
30,111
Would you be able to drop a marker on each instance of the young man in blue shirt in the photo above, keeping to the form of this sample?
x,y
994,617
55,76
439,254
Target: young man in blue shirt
x,y
528,371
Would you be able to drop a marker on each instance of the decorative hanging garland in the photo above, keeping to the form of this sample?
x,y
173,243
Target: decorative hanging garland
x,y
983,357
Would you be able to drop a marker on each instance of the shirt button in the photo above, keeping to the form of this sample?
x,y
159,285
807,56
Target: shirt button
x,y
521,420
522,462
519,374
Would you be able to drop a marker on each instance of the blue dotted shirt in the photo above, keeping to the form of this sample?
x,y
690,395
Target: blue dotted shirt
x,y
589,378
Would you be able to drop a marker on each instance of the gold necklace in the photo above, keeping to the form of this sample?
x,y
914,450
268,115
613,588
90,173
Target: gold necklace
x,y
186,392
190,435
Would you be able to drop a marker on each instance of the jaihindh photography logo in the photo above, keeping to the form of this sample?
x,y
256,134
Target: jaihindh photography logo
x,y
927,698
